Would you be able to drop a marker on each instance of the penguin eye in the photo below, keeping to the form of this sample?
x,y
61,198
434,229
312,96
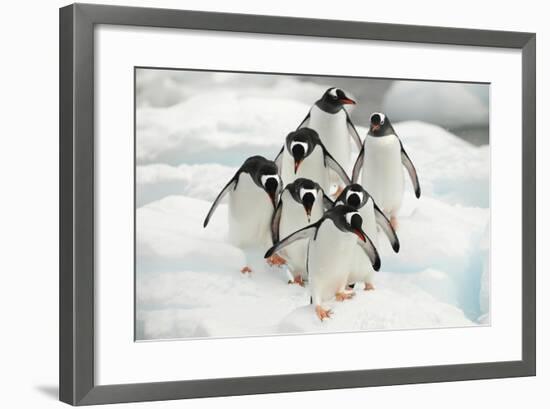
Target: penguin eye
x,y
334,93
303,192
350,215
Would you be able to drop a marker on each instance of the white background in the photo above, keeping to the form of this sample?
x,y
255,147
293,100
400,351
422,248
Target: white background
x,y
28,224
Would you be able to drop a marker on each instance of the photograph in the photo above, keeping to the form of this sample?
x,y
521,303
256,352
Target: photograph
x,y
281,204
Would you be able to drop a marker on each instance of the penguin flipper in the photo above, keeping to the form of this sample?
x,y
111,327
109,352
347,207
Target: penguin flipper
x,y
279,159
353,131
276,221
371,252
335,166
305,121
327,202
386,227
231,185
358,165
304,233
406,161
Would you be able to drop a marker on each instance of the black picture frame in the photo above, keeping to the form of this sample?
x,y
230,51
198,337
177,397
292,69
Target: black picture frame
x,y
76,274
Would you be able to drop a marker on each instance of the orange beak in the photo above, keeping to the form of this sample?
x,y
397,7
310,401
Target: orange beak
x,y
297,165
347,101
360,234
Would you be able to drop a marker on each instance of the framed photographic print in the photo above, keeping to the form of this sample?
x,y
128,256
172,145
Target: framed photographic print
x,y
358,199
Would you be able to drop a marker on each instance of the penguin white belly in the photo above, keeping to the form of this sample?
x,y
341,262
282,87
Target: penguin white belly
x,y
250,213
312,167
329,261
293,217
382,174
361,267
333,132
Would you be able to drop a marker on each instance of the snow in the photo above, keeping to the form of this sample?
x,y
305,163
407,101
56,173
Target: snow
x,y
431,102
188,280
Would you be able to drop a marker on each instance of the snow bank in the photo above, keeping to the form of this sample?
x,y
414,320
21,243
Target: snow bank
x,y
395,304
159,180
451,105
219,128
170,237
189,284
449,168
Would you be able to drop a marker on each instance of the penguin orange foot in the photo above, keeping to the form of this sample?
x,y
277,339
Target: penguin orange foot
x,y
276,260
369,287
344,296
246,269
298,280
322,313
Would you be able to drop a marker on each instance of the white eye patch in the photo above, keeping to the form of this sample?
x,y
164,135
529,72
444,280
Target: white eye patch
x,y
381,115
350,215
351,192
304,191
294,143
265,178
332,92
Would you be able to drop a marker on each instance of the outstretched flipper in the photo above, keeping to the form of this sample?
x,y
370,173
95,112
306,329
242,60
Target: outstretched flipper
x,y
304,233
371,252
276,221
231,185
406,161
386,227
352,131
358,165
335,166
305,122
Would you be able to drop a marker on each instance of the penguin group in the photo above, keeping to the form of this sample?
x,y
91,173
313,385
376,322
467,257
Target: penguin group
x,y
304,209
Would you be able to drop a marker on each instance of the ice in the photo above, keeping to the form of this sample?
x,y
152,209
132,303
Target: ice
x,y
189,283
223,129
430,102
200,181
449,168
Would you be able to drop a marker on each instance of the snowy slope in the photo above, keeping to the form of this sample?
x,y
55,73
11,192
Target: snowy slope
x,y
189,284
188,278
450,105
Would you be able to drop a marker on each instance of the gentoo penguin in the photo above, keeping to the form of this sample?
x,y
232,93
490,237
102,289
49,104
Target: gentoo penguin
x,y
330,119
355,196
381,158
301,202
332,240
253,194
305,156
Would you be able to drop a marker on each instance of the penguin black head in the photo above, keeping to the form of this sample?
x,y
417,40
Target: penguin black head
x,y
300,144
380,125
265,175
353,195
333,100
347,219
306,192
